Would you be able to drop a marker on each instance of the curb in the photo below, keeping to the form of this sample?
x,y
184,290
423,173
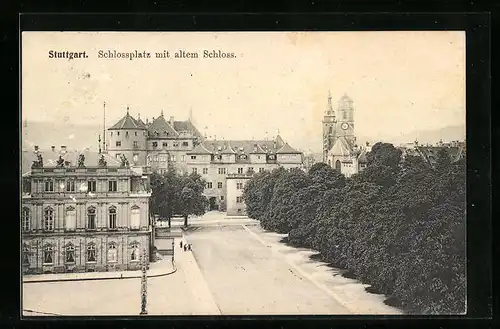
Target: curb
x,y
111,278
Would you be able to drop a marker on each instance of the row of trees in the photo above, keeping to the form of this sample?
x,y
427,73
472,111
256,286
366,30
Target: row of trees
x,y
175,194
398,226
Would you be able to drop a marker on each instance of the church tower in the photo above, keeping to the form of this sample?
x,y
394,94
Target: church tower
x,y
345,119
329,128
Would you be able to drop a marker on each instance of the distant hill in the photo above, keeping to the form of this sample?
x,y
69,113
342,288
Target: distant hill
x,y
46,134
447,134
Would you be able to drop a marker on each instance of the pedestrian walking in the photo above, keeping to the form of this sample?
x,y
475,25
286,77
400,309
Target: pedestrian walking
x,y
181,244
185,247
189,247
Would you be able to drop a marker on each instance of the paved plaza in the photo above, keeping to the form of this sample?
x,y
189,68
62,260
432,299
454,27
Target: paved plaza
x,y
233,269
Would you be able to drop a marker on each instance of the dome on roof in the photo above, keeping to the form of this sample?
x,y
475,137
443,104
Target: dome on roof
x,y
345,102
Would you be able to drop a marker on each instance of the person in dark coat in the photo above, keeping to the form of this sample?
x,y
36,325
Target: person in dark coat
x,y
181,244
189,247
185,247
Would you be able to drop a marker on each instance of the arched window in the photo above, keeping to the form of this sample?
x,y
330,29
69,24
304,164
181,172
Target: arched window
x,y
135,218
48,254
70,253
330,130
112,218
26,254
91,218
70,219
329,162
112,253
344,115
134,255
337,165
91,253
26,220
48,219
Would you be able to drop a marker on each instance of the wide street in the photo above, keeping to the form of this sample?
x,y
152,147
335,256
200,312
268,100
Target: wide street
x,y
235,268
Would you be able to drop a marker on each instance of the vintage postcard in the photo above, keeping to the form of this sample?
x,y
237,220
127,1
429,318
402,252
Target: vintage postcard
x,y
243,173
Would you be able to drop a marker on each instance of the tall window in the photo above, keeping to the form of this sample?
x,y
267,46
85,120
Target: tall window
x,y
112,186
172,158
70,186
91,186
185,144
112,253
205,171
155,144
240,170
70,254
209,185
134,255
337,165
344,115
49,186
165,144
261,169
239,186
193,157
195,170
219,184
26,219
239,199
222,171
48,219
112,217
118,143
136,144
91,253
135,157
26,254
48,254
91,218
135,218
70,219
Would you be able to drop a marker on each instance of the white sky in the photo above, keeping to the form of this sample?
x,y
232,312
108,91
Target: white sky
x,y
399,81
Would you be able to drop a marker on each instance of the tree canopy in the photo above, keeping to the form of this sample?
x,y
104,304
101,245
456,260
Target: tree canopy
x,y
175,194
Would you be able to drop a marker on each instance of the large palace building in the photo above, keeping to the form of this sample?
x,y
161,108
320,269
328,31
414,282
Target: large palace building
x,y
82,212
161,142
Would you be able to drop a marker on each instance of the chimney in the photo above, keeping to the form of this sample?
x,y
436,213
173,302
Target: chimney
x,y
171,121
63,148
53,148
36,148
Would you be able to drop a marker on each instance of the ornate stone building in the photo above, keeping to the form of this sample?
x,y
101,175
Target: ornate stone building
x,y
82,214
224,165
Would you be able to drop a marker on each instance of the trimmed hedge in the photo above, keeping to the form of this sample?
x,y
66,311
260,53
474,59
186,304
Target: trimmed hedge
x,y
399,225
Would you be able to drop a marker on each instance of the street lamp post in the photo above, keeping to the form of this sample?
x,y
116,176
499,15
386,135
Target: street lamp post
x,y
144,285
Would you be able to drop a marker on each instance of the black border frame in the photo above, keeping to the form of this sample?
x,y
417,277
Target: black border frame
x,y
478,93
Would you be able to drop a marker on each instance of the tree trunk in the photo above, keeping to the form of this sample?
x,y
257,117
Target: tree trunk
x,y
185,220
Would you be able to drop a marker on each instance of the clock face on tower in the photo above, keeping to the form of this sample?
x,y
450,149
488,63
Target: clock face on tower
x,y
344,126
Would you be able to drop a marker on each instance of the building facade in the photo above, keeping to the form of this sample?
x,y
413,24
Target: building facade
x,y
223,164
82,214
154,144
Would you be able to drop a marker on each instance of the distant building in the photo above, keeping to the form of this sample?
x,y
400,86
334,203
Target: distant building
x,y
224,164
340,150
153,144
428,152
82,216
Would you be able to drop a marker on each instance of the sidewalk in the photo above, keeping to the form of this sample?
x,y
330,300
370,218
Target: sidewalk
x,y
188,266
160,268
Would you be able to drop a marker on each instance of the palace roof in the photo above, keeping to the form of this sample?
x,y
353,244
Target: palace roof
x,y
50,159
127,122
244,147
161,128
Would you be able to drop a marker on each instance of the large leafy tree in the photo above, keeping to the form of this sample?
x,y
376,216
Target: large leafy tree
x,y
174,194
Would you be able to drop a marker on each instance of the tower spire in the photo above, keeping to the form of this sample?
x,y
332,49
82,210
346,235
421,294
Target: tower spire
x,y
103,129
161,113
128,109
330,107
